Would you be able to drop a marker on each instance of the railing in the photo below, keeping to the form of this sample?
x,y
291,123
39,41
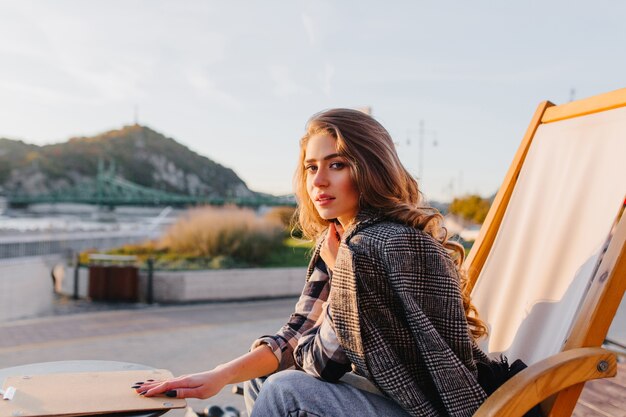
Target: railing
x,y
65,243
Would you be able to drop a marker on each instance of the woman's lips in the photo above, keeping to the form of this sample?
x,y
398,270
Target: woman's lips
x,y
324,200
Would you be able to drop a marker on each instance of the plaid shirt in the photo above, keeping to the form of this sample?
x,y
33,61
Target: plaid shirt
x,y
308,340
319,352
304,320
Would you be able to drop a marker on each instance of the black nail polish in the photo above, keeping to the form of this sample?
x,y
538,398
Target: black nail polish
x,y
139,383
136,386
150,380
171,393
143,393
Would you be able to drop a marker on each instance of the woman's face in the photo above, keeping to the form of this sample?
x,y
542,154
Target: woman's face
x,y
328,180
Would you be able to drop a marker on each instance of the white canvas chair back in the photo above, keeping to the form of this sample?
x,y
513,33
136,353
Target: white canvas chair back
x,y
570,189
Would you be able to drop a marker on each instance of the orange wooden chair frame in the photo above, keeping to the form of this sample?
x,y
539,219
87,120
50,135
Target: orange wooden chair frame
x,y
557,381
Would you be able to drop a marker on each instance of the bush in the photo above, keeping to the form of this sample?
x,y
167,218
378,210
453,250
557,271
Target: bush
x,y
472,207
285,215
224,234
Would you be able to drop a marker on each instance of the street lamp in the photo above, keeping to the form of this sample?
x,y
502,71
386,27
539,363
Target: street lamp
x,y
421,137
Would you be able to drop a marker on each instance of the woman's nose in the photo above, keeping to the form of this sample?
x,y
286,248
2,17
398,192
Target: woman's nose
x,y
321,179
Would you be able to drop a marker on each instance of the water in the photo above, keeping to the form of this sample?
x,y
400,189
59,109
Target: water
x,y
73,218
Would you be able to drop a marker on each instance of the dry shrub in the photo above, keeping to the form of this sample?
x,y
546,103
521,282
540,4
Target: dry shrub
x,y
224,232
285,215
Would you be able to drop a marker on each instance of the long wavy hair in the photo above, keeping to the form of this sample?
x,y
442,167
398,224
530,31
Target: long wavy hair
x,y
383,183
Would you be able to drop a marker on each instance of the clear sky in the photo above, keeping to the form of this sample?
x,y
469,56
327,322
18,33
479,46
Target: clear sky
x,y
237,80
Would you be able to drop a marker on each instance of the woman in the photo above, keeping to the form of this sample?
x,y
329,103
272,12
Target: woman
x,y
383,297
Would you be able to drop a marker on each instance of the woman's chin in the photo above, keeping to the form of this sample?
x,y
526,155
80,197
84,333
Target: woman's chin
x,y
325,214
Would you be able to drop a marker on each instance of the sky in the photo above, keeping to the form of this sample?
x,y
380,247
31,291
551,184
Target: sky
x,y
236,80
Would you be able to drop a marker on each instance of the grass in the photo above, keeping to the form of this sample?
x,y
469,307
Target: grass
x,y
293,252
224,232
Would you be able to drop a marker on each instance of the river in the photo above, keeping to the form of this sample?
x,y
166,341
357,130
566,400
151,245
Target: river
x,y
48,219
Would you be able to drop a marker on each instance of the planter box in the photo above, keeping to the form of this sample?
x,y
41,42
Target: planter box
x,y
224,284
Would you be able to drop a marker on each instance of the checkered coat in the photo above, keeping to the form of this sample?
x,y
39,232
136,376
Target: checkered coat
x,y
398,314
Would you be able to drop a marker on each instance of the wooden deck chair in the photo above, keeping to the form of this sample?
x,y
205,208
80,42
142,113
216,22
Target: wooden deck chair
x,y
548,269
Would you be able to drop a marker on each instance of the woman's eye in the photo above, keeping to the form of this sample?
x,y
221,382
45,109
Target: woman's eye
x,y
337,165
310,168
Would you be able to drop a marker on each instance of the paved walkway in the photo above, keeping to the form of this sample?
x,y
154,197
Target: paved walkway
x,y
186,339
183,339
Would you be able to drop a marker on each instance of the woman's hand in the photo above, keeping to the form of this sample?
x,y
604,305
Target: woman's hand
x,y
260,361
330,247
202,385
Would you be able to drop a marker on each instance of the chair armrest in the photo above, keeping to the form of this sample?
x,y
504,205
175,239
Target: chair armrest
x,y
547,377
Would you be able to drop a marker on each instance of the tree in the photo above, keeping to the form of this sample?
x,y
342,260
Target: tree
x,y
472,207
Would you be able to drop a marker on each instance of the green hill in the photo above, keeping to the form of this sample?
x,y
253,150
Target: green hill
x,y
140,154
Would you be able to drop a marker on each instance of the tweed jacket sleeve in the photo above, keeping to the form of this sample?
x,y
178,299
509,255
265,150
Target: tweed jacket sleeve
x,y
399,317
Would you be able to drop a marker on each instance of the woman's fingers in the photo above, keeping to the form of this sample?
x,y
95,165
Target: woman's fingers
x,y
164,387
200,385
330,247
333,236
339,229
203,385
185,393
142,387
152,390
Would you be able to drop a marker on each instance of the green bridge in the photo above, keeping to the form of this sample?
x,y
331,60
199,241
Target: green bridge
x,y
110,190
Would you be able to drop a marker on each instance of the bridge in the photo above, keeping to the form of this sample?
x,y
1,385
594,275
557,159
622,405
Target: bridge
x,y
111,190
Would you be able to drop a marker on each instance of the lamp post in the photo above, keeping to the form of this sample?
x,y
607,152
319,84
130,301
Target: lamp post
x,y
422,132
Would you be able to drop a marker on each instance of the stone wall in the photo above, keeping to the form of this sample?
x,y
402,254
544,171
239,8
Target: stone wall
x,y
221,285
26,286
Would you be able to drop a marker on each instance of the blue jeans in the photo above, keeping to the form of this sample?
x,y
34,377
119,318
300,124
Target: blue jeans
x,y
297,394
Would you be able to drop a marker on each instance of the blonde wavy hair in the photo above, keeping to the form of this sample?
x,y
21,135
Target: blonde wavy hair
x,y
383,183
